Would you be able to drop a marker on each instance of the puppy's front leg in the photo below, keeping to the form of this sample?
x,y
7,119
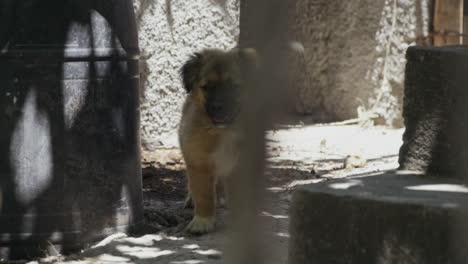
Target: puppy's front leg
x,y
202,183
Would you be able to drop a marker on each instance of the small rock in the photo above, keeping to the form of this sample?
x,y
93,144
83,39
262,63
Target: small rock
x,y
354,162
323,145
315,174
173,157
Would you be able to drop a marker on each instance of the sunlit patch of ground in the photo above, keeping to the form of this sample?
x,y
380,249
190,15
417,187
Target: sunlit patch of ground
x,y
297,156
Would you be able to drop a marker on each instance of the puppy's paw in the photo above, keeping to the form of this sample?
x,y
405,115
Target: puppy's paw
x,y
201,225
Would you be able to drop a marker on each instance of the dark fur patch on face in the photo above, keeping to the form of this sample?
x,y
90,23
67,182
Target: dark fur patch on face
x,y
212,61
218,76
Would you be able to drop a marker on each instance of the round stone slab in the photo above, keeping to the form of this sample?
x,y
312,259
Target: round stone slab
x,y
394,217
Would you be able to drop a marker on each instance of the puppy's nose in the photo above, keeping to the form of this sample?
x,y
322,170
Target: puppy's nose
x,y
216,107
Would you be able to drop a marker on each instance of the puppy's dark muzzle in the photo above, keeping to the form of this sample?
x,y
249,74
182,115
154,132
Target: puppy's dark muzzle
x,y
221,113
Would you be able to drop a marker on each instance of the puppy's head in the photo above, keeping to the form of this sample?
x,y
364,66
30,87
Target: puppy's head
x,y
215,80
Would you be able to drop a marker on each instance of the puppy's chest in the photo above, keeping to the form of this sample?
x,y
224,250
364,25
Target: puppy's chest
x,y
226,155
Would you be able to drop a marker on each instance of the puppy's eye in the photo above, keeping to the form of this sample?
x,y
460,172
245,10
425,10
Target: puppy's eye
x,y
207,87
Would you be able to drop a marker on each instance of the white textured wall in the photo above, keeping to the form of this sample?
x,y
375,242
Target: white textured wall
x,y
169,31
401,23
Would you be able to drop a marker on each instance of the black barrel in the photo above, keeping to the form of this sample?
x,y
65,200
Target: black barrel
x,y
69,124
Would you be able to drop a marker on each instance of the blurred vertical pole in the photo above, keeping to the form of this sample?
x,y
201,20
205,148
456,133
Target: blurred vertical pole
x,y
263,27
464,82
465,22
448,18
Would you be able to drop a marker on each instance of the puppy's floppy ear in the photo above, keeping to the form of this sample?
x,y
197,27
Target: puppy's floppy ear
x,y
190,71
249,58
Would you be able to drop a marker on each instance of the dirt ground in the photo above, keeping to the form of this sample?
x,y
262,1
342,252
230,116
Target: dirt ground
x,y
302,154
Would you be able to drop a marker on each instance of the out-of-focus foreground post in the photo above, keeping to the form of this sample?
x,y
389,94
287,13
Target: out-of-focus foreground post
x,y
263,25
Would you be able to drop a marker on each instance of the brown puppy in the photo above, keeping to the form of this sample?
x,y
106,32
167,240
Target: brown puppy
x,y
208,130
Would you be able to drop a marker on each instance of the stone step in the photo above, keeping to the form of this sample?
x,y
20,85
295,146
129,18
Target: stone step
x,y
391,218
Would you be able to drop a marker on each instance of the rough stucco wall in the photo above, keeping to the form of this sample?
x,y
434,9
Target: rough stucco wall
x,y
355,54
169,31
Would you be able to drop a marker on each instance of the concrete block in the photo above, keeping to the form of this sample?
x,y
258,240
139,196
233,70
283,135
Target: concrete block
x,y
385,219
435,110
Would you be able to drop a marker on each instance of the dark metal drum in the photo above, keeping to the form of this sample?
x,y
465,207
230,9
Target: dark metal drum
x,y
69,124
